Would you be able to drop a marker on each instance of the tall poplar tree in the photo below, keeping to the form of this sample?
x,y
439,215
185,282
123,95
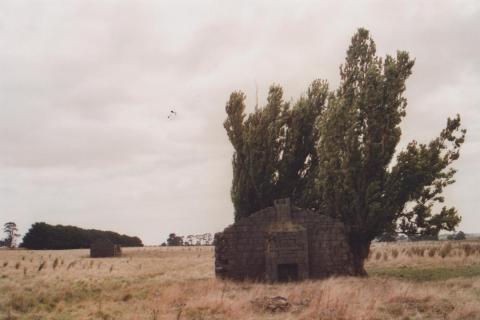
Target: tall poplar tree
x,y
274,146
359,181
336,152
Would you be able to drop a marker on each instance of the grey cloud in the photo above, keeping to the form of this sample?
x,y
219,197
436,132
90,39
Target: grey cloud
x,y
86,87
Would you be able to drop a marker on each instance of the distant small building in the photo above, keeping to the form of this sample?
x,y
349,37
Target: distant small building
x,y
281,243
103,248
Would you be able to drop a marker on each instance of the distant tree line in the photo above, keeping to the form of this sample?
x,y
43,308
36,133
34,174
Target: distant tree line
x,y
204,239
393,237
457,236
45,236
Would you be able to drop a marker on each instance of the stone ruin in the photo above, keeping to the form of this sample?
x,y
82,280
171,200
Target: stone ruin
x,y
103,248
282,243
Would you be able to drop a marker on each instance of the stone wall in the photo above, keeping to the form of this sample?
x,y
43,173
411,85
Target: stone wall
x,y
259,246
287,247
104,248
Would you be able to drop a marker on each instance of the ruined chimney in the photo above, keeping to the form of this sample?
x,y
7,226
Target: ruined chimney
x,y
282,207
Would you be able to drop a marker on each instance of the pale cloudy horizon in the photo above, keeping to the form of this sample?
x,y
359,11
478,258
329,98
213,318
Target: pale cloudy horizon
x,y
86,88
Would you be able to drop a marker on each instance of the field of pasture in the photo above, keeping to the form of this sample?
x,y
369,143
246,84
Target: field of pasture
x,y
422,280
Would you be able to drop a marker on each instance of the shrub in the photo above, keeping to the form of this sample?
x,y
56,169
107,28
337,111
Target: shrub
x,y
419,251
41,266
467,249
445,250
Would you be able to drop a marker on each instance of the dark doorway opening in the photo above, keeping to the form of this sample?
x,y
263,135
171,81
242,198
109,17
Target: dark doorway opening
x,y
287,272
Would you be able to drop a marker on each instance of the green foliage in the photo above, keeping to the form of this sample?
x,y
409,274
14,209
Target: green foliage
x,y
387,237
359,133
274,149
457,236
358,181
423,237
337,152
44,236
460,236
174,240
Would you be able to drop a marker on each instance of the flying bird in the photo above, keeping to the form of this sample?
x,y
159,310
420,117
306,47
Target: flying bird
x,y
172,115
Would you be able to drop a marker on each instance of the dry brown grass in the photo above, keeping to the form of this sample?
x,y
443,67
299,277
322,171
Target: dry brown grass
x,y
425,254
178,283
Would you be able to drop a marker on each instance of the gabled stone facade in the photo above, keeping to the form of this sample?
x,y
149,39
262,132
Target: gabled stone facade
x,y
281,243
103,248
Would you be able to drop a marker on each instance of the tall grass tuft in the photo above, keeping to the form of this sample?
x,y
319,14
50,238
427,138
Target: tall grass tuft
x,y
445,250
467,249
41,266
55,263
71,264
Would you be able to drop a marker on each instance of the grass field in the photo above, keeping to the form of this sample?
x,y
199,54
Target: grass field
x,y
437,280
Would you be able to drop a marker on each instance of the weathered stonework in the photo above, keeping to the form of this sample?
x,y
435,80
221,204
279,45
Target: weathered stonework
x,y
281,243
104,248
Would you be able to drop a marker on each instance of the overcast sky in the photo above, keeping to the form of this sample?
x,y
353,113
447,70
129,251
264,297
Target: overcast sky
x,y
86,88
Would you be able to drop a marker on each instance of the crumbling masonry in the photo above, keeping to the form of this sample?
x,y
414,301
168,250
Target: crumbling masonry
x,y
104,248
281,243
